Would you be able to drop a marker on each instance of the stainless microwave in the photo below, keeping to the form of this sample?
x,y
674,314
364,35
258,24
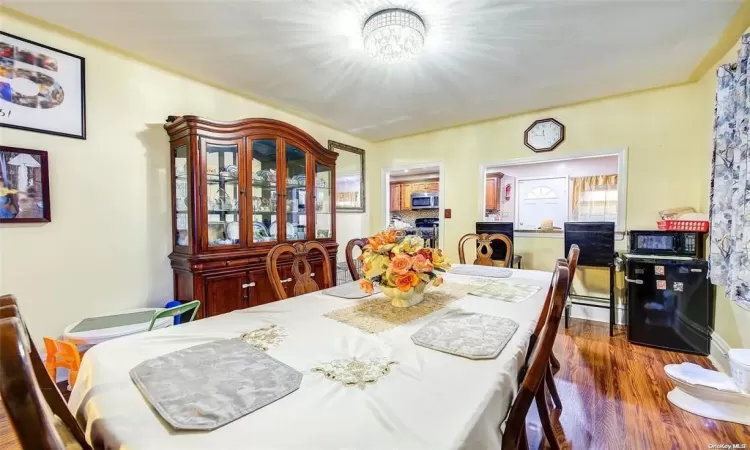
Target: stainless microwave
x,y
667,243
425,200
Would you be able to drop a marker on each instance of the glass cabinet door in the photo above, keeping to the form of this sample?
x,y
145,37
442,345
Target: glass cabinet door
x,y
181,197
296,193
323,191
223,194
264,192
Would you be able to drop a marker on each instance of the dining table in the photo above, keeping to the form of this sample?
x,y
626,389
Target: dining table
x,y
424,399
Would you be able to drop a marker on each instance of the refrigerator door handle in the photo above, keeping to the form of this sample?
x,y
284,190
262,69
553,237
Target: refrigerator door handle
x,y
629,280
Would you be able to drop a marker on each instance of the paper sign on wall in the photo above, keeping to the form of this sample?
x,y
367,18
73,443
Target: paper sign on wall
x,y
678,286
661,284
658,270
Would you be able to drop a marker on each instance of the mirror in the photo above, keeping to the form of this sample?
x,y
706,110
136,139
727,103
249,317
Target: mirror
x,y
350,177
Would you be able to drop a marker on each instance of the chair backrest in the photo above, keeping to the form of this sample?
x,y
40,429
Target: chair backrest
x,y
484,248
303,282
29,395
539,361
545,310
350,262
176,311
573,254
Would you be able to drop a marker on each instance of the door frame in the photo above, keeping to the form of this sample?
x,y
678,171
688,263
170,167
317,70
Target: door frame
x,y
386,192
517,203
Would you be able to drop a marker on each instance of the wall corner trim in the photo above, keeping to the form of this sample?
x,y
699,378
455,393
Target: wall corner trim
x,y
719,356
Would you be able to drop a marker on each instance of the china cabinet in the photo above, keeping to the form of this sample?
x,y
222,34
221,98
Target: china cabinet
x,y
238,189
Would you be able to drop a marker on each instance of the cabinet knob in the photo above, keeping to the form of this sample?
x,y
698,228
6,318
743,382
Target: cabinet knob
x,y
247,285
312,274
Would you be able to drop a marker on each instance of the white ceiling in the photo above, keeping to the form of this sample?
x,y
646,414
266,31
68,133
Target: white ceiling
x,y
482,59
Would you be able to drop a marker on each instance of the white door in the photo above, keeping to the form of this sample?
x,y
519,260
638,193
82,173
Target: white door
x,y
542,199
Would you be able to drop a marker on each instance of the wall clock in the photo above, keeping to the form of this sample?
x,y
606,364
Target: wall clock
x,y
544,135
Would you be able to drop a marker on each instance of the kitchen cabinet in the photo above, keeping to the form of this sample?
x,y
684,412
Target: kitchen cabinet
x,y
395,197
492,193
401,193
406,197
238,189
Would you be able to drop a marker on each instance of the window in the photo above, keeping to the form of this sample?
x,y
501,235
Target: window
x,y
546,194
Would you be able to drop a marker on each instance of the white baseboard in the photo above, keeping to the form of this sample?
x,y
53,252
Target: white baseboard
x,y
719,356
597,314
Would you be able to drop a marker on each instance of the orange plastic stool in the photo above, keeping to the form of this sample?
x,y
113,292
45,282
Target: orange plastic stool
x,y
62,355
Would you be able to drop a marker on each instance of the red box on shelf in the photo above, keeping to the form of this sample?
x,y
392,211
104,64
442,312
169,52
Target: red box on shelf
x,y
683,225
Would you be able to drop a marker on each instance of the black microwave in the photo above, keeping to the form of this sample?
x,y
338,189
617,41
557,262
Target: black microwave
x,y
667,243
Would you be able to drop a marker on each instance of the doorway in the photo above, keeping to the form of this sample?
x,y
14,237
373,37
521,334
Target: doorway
x,y
414,200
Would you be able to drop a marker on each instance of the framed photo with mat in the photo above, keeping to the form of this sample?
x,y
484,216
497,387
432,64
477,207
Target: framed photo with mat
x,y
24,186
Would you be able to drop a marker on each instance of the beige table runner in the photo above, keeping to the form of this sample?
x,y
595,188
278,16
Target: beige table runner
x,y
377,314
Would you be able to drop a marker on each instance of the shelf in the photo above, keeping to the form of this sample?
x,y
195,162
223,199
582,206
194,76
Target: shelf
x,y
223,211
264,185
220,178
322,212
257,213
323,188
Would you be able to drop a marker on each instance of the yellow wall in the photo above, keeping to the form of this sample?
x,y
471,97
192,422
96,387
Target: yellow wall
x,y
666,155
107,245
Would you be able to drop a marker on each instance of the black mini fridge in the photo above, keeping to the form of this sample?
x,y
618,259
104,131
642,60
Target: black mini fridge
x,y
670,305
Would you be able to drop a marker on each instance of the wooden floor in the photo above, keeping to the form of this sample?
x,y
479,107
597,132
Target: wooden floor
x,y
614,397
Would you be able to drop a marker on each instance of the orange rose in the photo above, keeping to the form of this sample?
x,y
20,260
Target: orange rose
x,y
407,281
400,264
426,252
422,264
366,286
438,281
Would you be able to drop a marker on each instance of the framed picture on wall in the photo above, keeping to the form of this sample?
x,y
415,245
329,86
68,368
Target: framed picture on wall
x,y
350,177
42,89
24,186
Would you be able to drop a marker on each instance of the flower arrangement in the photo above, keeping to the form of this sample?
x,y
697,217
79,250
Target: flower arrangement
x,y
402,267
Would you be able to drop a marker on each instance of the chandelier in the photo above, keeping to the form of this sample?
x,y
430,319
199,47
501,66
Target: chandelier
x,y
393,35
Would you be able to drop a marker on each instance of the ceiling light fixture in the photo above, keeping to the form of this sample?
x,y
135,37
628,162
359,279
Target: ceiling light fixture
x,y
393,35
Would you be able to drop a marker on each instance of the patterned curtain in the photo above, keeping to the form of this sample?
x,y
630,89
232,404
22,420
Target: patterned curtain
x,y
730,181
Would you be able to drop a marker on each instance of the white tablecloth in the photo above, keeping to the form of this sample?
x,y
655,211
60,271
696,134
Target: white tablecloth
x,y
430,400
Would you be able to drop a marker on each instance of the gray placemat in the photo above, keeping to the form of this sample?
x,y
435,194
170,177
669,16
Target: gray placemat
x,y
482,271
471,335
349,290
114,320
507,292
209,385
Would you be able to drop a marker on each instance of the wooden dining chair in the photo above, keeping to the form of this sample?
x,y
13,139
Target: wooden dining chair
x,y
533,340
350,261
533,384
303,278
34,405
484,248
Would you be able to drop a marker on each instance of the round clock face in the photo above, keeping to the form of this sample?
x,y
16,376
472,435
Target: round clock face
x,y
544,135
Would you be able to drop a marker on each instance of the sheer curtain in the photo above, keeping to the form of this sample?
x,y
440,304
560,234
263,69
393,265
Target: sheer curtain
x,y
594,198
729,262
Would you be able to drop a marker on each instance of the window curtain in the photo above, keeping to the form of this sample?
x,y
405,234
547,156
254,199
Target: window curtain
x,y
729,258
584,184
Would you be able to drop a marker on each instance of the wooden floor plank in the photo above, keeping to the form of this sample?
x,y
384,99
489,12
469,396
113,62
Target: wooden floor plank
x,y
613,394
